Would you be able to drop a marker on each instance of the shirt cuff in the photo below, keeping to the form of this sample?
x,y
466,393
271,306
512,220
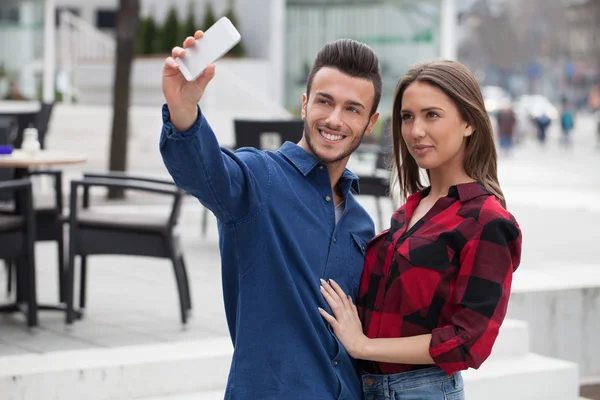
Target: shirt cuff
x,y
170,130
446,349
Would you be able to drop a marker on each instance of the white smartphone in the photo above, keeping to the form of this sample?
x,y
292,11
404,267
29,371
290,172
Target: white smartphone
x,y
216,42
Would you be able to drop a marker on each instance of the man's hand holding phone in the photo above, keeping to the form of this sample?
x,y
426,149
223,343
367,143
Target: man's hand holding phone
x,y
182,97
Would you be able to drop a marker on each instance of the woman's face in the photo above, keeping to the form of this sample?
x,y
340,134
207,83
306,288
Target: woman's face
x,y
432,127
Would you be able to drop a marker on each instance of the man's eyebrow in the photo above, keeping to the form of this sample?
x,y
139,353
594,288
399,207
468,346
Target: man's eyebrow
x,y
349,102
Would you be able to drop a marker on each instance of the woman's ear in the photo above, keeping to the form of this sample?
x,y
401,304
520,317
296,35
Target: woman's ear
x,y
468,131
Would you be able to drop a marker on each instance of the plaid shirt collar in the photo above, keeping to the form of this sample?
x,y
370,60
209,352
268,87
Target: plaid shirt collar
x,y
463,192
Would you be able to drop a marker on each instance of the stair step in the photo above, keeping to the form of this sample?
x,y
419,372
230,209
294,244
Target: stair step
x,y
532,377
213,395
512,341
122,373
198,370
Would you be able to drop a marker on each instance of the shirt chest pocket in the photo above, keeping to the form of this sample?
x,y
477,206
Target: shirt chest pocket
x,y
354,259
429,252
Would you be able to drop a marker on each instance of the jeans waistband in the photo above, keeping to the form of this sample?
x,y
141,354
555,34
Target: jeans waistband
x,y
406,380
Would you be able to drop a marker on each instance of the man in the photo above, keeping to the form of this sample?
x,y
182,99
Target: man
x,y
14,93
286,219
506,125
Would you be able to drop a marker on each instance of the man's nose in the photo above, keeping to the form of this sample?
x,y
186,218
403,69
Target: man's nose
x,y
333,120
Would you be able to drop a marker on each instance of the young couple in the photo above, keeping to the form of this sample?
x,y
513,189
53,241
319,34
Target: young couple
x,y
317,306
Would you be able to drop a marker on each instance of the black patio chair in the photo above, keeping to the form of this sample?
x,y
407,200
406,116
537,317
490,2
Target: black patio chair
x,y
96,233
17,238
48,210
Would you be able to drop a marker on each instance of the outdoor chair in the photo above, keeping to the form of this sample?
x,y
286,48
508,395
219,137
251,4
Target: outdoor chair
x,y
17,237
48,211
95,233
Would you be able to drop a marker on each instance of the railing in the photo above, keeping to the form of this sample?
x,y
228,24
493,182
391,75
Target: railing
x,y
80,41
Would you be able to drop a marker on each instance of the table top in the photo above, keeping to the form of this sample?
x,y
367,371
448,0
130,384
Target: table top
x,y
14,107
21,159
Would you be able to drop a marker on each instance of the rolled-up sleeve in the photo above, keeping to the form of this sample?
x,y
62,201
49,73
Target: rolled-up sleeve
x,y
481,293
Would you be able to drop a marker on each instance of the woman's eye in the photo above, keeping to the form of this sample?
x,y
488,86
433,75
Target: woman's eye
x,y
405,117
432,114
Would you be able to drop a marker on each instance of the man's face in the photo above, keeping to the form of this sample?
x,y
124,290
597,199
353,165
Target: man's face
x,y
336,114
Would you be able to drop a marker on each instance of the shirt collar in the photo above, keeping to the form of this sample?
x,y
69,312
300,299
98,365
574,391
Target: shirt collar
x,y
463,192
306,162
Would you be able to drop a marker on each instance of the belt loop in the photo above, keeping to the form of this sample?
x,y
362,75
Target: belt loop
x,y
386,386
455,376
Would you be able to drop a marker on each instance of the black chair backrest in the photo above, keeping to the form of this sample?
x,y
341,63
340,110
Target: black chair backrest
x,y
267,135
42,120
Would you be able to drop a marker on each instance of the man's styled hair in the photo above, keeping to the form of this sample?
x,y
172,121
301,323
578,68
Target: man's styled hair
x,y
352,58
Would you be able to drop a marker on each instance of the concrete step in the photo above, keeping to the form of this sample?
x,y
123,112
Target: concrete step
x,y
122,373
214,395
532,377
561,304
198,370
512,341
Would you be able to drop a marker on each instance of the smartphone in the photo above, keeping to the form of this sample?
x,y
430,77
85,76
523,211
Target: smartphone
x,y
216,42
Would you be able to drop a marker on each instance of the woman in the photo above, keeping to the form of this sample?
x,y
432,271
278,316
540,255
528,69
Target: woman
x,y
435,286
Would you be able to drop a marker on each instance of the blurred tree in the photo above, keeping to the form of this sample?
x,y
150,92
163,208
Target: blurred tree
x,y
146,36
189,26
209,16
127,24
238,49
169,36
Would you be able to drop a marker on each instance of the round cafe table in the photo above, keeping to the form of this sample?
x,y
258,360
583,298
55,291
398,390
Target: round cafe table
x,y
21,161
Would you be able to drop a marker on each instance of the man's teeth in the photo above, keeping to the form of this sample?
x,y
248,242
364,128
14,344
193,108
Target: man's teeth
x,y
330,137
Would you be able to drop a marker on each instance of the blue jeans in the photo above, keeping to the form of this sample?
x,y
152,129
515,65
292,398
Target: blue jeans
x,y
425,384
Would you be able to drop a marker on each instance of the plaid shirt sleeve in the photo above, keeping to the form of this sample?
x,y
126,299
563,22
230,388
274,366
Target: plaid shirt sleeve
x,y
481,293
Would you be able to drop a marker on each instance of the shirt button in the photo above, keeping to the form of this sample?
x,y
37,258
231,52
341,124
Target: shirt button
x,y
335,363
464,336
327,198
320,167
334,240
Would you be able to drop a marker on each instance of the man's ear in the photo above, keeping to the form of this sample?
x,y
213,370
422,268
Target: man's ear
x,y
304,102
372,122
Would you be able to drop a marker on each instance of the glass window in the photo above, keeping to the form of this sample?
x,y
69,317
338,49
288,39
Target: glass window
x,y
106,19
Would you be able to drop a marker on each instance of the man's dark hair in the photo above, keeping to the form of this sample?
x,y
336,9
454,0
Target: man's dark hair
x,y
352,58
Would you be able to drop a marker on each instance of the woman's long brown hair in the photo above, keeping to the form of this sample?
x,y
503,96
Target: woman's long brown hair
x,y
459,84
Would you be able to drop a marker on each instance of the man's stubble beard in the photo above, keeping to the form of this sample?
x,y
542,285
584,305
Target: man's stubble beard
x,y
339,158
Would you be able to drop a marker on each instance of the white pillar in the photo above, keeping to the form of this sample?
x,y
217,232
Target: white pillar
x,y
27,22
49,50
277,35
448,36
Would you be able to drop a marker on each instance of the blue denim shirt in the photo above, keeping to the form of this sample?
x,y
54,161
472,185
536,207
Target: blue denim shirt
x,y
278,236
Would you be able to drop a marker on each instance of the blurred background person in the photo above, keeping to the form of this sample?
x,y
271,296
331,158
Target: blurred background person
x,y
567,122
507,120
14,93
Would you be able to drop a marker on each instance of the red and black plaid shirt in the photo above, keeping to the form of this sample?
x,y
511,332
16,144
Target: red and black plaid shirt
x,y
449,275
